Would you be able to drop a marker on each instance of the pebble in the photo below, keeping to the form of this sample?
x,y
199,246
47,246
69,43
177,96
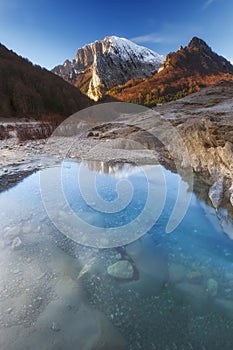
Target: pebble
x,y
27,229
9,310
55,327
16,243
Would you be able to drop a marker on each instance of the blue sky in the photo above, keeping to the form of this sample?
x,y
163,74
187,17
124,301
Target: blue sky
x,y
48,31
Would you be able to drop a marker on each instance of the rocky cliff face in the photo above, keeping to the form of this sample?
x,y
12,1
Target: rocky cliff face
x,y
107,63
183,72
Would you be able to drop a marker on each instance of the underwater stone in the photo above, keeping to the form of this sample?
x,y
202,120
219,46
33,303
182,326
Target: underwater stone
x,y
195,276
55,327
177,273
16,243
27,229
212,287
122,269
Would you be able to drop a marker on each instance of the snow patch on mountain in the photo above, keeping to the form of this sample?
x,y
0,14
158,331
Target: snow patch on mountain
x,y
126,48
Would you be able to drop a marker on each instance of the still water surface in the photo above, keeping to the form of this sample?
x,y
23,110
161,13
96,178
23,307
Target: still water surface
x,y
175,291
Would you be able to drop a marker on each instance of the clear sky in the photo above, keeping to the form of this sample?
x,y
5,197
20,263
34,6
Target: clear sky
x,y
49,31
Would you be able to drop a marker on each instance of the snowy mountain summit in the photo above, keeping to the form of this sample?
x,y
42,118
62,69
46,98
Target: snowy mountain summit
x,y
100,66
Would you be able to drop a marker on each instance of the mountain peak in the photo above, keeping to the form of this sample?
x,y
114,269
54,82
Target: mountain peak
x,y
107,63
113,37
196,42
183,72
197,58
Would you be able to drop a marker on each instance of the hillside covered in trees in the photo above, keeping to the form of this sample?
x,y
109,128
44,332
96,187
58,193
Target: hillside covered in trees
x,y
30,91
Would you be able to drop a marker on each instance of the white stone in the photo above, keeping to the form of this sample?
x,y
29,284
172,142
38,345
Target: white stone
x,y
122,269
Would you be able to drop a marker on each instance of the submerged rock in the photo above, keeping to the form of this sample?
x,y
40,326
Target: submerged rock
x,y
193,294
27,229
16,243
152,270
177,273
195,277
227,226
225,306
122,269
55,327
212,287
10,234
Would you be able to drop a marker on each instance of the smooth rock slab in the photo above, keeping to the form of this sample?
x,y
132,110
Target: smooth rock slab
x,y
122,269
